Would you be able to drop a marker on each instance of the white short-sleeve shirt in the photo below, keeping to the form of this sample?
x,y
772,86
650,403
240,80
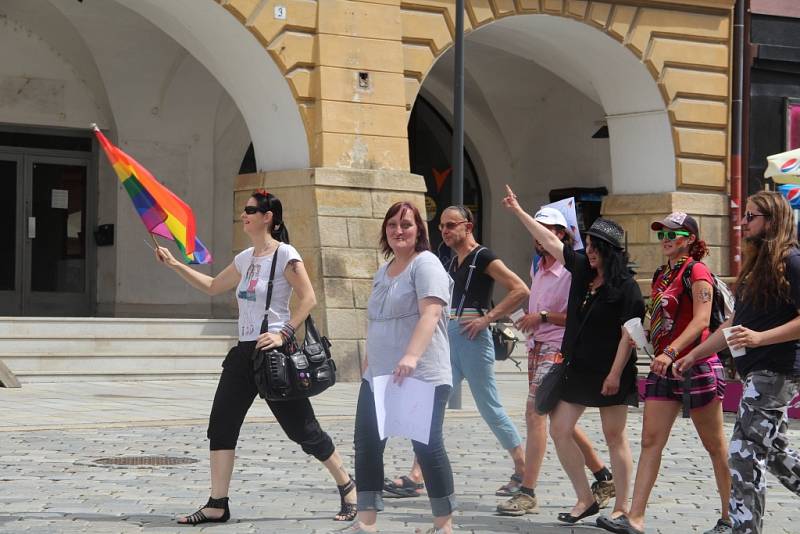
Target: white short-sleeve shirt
x,y
251,294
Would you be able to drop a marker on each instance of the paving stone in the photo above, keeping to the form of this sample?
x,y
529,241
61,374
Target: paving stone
x,y
47,483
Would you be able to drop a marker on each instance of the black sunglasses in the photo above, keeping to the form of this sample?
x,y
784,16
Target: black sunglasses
x,y
749,215
252,210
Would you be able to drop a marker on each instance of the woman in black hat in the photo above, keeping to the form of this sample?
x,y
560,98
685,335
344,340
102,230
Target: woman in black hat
x,y
601,365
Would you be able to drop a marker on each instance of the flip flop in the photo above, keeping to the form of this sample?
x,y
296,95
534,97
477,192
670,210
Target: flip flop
x,y
408,488
620,525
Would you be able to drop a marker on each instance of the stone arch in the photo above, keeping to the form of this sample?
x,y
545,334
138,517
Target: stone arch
x,y
238,62
686,52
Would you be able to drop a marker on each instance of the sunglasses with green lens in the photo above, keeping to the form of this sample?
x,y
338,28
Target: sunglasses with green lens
x,y
672,234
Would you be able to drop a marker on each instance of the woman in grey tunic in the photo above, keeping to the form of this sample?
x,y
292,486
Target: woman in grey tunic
x,y
406,337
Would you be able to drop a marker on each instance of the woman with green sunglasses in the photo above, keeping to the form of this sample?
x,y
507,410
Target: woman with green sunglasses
x,y
680,314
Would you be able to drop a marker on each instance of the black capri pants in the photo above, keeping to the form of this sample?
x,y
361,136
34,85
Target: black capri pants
x,y
236,391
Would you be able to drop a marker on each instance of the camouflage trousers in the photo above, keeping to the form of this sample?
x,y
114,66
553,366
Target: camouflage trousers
x,y
759,443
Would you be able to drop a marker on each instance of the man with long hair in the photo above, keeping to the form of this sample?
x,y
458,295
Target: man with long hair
x,y
767,324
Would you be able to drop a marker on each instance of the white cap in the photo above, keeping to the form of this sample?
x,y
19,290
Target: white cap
x,y
551,216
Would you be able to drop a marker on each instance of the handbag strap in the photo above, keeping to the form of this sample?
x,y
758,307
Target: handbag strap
x,y
460,308
265,321
567,355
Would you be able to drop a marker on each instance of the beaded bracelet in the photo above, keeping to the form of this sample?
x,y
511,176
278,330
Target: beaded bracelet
x,y
287,332
671,353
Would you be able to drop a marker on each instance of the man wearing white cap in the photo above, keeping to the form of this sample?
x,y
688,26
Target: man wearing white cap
x,y
544,323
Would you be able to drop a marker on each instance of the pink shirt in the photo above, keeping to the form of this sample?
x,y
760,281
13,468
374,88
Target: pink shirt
x,y
550,292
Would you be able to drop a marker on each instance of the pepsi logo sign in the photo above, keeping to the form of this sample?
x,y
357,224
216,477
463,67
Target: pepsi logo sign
x,y
790,165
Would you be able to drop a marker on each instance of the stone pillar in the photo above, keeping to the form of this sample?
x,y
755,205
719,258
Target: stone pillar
x,y
334,218
636,212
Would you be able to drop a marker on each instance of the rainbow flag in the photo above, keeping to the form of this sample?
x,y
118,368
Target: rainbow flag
x,y
161,211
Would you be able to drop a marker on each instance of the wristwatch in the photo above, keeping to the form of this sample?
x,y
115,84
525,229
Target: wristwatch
x,y
543,314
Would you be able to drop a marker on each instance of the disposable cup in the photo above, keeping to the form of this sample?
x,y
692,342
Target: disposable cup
x,y
516,316
636,331
736,353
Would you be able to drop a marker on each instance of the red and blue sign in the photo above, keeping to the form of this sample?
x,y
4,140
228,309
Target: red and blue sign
x,y
790,165
792,194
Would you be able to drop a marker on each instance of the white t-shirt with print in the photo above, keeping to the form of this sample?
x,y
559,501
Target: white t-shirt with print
x,y
251,294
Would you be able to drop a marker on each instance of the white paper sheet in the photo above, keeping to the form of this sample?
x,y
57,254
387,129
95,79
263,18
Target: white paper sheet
x,y
403,410
59,199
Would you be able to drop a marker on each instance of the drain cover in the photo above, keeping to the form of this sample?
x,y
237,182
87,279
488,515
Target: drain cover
x,y
144,461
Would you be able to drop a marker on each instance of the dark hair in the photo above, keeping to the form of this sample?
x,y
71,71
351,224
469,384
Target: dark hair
x,y
568,239
268,202
464,211
422,242
615,263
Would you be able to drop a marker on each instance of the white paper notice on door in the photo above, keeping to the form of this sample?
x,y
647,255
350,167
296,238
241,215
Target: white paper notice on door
x,y
59,199
403,410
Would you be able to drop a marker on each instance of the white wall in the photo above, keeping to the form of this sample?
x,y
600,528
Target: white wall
x,y
38,83
159,104
531,130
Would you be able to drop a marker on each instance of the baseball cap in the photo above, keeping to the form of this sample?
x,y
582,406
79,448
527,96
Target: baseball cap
x,y
675,220
551,216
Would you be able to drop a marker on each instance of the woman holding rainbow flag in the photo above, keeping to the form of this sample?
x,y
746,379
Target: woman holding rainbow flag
x,y
262,218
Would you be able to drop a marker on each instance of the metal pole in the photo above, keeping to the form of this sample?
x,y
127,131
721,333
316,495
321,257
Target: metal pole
x,y
458,108
458,141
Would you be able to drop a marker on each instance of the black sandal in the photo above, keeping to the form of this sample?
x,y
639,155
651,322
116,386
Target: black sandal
x,y
567,517
348,510
199,517
406,488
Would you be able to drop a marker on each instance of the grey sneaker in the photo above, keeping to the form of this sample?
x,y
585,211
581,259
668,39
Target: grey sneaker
x,y
722,527
603,491
519,504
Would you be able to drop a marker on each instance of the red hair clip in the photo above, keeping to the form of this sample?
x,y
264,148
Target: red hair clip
x,y
261,191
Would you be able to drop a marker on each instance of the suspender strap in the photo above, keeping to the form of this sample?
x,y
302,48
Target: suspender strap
x,y
460,308
265,321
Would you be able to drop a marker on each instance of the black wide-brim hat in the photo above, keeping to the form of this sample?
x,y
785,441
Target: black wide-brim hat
x,y
608,231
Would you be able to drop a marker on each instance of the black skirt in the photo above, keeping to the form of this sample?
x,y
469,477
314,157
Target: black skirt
x,y
584,388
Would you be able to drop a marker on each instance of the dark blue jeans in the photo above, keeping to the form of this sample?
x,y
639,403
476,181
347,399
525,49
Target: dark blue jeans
x,y
432,457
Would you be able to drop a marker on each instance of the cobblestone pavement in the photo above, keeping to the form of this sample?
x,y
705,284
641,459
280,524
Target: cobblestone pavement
x,y
50,434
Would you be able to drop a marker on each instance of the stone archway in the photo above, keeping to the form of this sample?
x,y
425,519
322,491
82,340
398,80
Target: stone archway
x,y
686,53
238,62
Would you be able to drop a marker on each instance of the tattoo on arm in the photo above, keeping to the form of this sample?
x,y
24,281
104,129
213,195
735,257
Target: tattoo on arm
x,y
295,266
705,295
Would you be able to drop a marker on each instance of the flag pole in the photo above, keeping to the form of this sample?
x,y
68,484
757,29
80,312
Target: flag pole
x,y
458,141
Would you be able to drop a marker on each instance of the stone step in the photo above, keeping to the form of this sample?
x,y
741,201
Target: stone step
x,y
113,326
44,349
23,365
162,346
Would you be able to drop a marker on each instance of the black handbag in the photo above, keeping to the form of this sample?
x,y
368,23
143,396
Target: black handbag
x,y
291,372
505,341
550,390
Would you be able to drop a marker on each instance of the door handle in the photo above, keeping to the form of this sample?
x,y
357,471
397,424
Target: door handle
x,y
31,227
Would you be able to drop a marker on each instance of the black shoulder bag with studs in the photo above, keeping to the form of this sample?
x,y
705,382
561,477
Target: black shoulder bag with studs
x,y
293,372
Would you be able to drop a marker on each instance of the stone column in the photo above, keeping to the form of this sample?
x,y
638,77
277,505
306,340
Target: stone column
x,y
636,212
334,219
